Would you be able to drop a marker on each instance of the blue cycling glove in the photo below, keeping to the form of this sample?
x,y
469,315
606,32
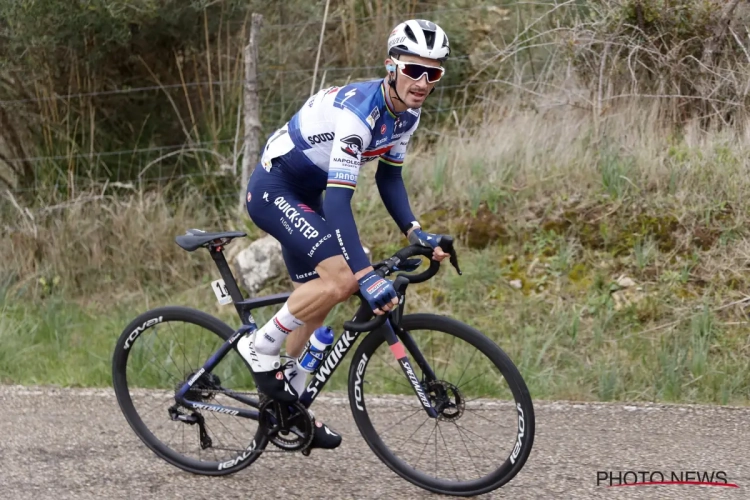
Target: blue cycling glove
x,y
375,290
423,238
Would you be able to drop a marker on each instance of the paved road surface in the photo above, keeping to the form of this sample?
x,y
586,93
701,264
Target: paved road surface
x,y
74,443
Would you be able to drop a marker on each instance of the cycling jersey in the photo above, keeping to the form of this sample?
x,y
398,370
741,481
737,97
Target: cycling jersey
x,y
323,146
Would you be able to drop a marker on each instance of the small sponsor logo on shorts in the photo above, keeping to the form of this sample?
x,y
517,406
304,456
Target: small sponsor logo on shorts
x,y
317,245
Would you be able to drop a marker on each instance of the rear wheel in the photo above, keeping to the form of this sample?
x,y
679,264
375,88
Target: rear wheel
x,y
485,426
153,358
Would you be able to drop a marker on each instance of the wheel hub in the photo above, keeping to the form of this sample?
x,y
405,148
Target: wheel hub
x,y
204,389
446,399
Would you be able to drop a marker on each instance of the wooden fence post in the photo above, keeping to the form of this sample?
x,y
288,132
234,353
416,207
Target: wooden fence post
x,y
251,110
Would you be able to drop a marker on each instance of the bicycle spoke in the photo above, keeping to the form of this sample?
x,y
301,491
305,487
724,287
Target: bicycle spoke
x,y
470,381
469,431
397,382
467,366
436,453
162,367
448,358
169,353
450,455
467,448
473,412
426,443
155,406
215,436
395,426
176,429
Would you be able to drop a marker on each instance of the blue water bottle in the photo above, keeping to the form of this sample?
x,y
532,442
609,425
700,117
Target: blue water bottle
x,y
315,349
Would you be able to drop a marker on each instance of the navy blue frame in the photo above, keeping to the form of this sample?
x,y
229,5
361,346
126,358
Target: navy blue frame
x,y
326,368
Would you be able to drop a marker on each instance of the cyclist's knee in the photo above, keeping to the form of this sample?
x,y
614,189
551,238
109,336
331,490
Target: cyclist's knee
x,y
337,278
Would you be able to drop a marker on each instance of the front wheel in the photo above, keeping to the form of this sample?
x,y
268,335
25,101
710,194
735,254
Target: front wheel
x,y
485,427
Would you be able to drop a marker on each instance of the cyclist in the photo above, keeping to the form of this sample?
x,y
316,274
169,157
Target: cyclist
x,y
322,148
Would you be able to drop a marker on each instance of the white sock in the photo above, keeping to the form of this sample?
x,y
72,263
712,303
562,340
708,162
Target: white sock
x,y
258,362
268,339
297,377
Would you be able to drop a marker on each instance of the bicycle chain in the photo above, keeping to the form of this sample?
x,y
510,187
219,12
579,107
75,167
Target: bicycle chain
x,y
264,450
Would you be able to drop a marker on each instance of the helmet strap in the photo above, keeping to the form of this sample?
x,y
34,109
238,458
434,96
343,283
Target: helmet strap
x,y
392,84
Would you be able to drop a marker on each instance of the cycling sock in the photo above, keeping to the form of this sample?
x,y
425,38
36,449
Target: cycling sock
x,y
268,339
297,377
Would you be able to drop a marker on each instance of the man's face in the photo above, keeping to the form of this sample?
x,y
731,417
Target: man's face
x,y
414,92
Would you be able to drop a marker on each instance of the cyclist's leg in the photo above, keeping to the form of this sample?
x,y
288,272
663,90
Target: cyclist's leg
x,y
323,436
296,340
277,208
301,272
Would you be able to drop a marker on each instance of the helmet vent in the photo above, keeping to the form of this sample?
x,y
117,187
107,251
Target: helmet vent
x,y
429,37
410,34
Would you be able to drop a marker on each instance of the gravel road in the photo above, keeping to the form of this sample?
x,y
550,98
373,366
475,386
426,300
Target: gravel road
x,y
75,443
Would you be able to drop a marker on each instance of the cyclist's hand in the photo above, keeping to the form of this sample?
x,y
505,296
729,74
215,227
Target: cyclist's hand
x,y
378,292
417,236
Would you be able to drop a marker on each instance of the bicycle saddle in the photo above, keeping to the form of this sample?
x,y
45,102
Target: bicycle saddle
x,y
193,239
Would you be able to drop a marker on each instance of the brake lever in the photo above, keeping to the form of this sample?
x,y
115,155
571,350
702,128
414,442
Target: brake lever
x,y
454,262
448,247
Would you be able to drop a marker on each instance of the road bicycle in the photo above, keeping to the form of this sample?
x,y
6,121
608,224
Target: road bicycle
x,y
471,404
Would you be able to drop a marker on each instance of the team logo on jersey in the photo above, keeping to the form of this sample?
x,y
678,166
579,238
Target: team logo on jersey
x,y
319,138
383,128
373,117
353,145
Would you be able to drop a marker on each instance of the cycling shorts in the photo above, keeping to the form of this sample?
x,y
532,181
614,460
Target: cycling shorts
x,y
293,214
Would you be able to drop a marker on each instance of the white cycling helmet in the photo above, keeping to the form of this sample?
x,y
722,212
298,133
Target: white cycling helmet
x,y
418,37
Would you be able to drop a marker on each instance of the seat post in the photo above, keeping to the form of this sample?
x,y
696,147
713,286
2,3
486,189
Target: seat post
x,y
217,255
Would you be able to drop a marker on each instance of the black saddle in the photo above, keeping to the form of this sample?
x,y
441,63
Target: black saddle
x,y
193,239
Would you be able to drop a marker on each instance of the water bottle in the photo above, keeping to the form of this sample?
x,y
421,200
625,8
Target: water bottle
x,y
315,349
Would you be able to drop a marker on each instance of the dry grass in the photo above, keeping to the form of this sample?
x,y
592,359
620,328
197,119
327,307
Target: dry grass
x,y
555,197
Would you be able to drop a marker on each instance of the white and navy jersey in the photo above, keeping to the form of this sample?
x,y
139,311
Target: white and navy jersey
x,y
325,143
341,128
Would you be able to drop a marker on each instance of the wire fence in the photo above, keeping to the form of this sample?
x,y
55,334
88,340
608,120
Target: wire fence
x,y
146,167
222,83
142,165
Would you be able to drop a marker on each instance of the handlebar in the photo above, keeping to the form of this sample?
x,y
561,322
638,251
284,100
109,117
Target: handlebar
x,y
401,261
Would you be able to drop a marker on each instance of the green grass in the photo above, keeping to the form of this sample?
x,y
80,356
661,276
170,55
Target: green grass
x,y
568,339
544,208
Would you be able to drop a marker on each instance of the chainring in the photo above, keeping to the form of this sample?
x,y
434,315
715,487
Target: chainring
x,y
295,434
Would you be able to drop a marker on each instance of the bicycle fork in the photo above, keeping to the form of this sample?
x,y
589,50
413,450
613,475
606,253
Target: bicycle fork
x,y
398,350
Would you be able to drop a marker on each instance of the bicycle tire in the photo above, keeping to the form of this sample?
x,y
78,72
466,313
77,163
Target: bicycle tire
x,y
505,472
129,336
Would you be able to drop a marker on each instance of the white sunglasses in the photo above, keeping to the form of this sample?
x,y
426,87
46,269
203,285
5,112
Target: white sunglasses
x,y
416,70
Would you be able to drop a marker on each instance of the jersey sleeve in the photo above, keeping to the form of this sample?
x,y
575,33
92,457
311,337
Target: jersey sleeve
x,y
391,184
350,138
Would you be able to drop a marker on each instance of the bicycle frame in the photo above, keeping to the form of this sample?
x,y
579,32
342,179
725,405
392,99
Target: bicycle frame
x,y
330,362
